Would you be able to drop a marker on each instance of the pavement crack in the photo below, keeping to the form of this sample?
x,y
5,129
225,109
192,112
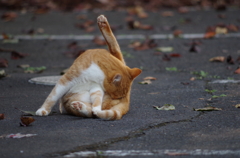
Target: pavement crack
x,y
133,134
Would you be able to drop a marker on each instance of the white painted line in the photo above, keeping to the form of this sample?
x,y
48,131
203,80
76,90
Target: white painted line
x,y
225,81
171,152
119,37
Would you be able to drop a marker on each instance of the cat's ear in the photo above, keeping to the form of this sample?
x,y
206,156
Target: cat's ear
x,y
117,79
135,72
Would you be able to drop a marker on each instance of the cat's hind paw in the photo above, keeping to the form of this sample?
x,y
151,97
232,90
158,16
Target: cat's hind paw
x,y
42,112
102,21
76,105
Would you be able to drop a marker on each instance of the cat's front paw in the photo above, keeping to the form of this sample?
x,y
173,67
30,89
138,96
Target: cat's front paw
x,y
42,112
102,21
96,110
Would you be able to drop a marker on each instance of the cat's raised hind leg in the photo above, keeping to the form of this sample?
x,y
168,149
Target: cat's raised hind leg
x,y
79,108
109,37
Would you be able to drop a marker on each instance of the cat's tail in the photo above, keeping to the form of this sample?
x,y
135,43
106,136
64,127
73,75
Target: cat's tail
x,y
115,113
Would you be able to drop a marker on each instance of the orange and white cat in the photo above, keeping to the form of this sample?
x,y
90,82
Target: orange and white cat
x,y
97,84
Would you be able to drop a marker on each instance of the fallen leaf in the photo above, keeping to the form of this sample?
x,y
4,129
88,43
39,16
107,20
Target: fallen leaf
x,y
2,116
201,99
33,113
145,82
217,59
195,48
140,12
177,33
11,40
237,106
167,14
165,49
34,69
209,34
222,16
26,121
41,10
147,44
98,41
8,16
185,83
90,29
19,135
16,55
149,78
23,66
3,62
2,73
209,108
171,69
222,95
221,30
230,60
183,9
237,71
165,107
232,28
175,55
166,57
192,79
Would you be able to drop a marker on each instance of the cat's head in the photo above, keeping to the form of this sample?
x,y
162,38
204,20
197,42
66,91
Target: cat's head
x,y
118,83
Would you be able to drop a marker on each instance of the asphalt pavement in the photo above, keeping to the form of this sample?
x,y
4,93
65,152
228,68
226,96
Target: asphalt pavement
x,y
187,80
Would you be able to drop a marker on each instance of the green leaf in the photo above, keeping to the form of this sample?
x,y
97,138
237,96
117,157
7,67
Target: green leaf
x,y
34,69
222,95
171,69
165,107
210,91
209,108
33,113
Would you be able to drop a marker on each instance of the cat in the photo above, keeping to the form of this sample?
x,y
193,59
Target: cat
x,y
98,83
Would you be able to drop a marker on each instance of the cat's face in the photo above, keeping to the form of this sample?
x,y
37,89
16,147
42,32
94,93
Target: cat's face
x,y
119,84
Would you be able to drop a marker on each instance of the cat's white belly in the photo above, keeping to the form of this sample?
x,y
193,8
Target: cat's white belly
x,y
89,80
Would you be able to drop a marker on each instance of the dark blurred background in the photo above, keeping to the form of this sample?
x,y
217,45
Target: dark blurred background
x,y
42,6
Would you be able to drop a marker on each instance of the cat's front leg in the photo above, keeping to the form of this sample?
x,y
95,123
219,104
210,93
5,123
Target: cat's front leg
x,y
58,91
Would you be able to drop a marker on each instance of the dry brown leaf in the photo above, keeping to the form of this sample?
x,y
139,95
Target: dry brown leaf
x,y
3,62
192,79
232,28
9,16
217,59
149,78
177,33
167,13
183,10
26,121
237,71
2,116
209,34
17,55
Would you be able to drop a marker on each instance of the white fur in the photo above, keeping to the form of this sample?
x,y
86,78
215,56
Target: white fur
x,y
89,81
